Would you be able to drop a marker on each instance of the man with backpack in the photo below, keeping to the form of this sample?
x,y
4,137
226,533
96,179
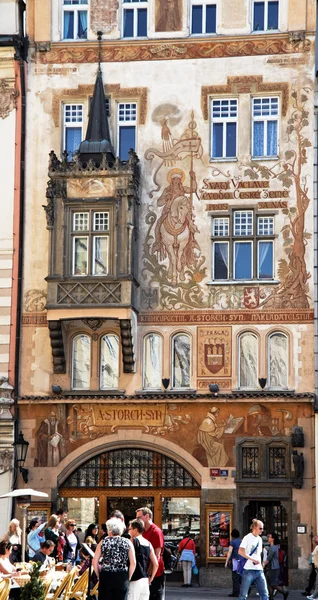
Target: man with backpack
x,y
250,562
140,581
154,535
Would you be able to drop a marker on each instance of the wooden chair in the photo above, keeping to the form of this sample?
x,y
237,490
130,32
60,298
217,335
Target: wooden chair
x,y
46,585
5,585
79,589
94,591
64,587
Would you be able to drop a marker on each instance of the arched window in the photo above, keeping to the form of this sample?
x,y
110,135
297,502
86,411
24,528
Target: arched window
x,y
152,362
109,362
181,353
278,360
248,361
81,362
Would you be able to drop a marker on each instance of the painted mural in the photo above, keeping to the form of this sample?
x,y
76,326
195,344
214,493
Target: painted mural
x,y
185,189
207,431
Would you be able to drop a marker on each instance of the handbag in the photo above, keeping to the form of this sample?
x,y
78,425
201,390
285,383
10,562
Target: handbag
x,y
242,561
195,570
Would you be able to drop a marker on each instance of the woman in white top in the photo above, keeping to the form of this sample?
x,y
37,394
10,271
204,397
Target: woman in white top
x,y
6,567
14,536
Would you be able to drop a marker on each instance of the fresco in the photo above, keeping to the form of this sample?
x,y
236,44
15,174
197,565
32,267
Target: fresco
x,y
207,431
174,268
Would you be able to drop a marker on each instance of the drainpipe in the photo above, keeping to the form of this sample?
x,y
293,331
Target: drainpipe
x,y
316,296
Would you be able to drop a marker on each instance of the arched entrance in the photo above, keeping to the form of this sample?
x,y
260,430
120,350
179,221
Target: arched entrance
x,y
128,478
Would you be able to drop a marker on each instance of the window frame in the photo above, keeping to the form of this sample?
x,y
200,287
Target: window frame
x,y
91,234
73,339
75,125
224,121
239,337
254,238
134,5
270,335
100,341
265,119
76,8
144,340
266,3
126,123
173,337
204,4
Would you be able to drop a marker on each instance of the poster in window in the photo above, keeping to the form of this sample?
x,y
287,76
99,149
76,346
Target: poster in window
x,y
218,526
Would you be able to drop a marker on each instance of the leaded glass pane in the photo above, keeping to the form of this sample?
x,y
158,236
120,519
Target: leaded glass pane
x,y
278,361
248,361
81,362
250,462
109,367
152,362
181,361
277,462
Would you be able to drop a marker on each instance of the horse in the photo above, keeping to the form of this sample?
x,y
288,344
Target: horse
x,y
175,236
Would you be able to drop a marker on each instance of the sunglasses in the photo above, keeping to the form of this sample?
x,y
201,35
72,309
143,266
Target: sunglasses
x,y
72,524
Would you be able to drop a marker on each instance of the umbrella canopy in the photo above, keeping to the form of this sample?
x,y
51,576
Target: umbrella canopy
x,y
24,492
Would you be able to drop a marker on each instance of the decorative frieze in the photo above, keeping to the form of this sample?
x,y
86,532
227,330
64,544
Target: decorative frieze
x,y
8,97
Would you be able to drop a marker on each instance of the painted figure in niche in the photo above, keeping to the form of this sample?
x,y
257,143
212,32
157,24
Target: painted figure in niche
x,y
175,228
209,436
168,15
50,442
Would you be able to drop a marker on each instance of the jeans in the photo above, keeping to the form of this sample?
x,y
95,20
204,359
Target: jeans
x,y
253,576
157,588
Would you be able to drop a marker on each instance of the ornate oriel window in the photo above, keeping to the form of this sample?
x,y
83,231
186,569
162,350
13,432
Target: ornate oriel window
x,y
248,361
90,243
181,361
152,362
278,361
81,362
131,467
109,362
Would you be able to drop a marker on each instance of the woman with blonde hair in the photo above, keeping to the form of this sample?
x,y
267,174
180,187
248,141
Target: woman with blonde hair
x,y
14,536
52,532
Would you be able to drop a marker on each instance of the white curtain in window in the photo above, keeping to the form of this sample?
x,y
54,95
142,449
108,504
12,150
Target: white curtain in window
x,y
271,138
248,350
81,362
152,362
109,362
258,149
181,361
278,361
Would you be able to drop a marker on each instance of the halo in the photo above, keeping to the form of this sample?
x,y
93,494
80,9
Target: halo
x,y
176,172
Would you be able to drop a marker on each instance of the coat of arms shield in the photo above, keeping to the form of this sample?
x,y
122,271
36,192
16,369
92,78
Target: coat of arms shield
x,y
214,354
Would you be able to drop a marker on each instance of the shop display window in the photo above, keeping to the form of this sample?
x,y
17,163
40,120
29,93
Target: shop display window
x,y
180,517
218,527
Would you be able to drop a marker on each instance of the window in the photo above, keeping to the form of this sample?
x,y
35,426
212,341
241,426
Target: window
x,y
243,246
278,361
277,462
73,128
265,15
203,17
152,362
134,18
75,19
181,361
81,362
90,242
248,361
265,127
109,362
223,128
127,121
250,462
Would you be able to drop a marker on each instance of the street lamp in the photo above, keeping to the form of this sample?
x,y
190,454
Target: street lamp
x,y
20,450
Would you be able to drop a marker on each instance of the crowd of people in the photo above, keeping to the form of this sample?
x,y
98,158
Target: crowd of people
x,y
127,563
256,560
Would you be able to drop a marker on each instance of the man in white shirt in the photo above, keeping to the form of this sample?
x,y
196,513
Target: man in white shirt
x,y
251,549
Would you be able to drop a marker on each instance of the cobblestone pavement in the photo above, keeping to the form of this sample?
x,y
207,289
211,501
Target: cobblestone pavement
x,y
175,592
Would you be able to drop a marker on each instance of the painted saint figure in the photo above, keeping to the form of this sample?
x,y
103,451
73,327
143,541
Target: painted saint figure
x,y
175,228
50,442
209,434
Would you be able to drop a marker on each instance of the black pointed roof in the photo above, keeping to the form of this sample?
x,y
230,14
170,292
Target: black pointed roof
x,y
97,141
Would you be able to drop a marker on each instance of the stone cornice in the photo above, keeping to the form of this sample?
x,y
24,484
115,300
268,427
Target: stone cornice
x,y
176,49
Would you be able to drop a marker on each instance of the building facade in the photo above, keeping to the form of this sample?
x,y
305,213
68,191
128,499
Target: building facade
x,y
168,323
12,101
